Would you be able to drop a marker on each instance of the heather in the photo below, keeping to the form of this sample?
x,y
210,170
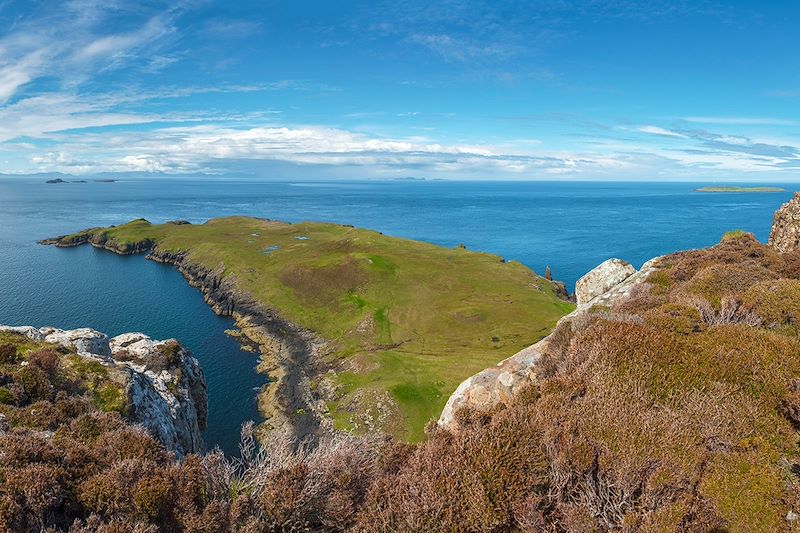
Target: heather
x,y
674,409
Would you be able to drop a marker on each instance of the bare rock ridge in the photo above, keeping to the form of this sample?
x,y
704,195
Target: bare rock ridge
x,y
164,386
785,234
605,284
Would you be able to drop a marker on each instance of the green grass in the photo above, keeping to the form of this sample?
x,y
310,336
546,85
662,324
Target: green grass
x,y
421,317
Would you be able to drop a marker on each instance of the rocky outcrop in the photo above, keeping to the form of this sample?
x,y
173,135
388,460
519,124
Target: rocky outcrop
x,y
608,274
604,285
164,385
785,233
290,403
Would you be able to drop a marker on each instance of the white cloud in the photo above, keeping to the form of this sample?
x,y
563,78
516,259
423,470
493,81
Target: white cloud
x,y
655,130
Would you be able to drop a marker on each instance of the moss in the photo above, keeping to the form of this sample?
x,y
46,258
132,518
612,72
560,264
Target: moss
x,y
109,398
6,398
735,234
747,491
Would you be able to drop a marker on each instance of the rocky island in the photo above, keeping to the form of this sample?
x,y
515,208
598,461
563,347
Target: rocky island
x,y
358,331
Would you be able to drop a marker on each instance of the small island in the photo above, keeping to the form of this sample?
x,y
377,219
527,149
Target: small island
x,y
739,189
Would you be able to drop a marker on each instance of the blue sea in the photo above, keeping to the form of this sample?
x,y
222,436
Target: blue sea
x,y
569,226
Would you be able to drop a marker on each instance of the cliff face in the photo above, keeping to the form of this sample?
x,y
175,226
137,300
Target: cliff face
x,y
164,386
785,234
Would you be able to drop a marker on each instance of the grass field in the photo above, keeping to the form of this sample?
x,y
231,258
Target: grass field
x,y
407,320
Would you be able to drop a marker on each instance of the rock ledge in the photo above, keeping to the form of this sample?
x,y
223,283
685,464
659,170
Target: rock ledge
x,y
164,385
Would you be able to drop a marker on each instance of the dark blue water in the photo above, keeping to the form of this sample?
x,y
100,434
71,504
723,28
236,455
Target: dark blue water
x,y
570,226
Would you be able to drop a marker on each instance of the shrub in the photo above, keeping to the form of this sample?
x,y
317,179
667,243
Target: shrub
x,y
8,354
46,360
716,281
777,302
34,382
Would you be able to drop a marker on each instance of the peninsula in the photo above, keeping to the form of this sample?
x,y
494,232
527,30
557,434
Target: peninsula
x,y
359,331
740,189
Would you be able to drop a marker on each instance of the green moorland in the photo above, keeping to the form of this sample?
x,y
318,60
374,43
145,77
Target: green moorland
x,y
407,321
740,189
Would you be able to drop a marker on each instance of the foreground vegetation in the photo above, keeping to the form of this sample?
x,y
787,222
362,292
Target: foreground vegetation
x,y
406,321
677,409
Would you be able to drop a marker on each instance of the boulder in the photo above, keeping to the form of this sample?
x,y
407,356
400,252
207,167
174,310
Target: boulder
x,y
83,340
785,233
601,279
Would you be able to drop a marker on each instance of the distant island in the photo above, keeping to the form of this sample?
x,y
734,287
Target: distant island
x,y
59,180
740,189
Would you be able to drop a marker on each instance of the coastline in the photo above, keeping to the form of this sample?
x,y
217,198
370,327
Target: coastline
x,y
288,354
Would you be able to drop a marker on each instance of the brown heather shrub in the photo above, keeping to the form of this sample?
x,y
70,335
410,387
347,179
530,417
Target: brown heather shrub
x,y
472,481
8,354
45,360
776,302
34,382
676,409
676,318
714,282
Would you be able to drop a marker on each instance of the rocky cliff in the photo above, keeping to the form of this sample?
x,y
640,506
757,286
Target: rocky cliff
x,y
785,234
164,387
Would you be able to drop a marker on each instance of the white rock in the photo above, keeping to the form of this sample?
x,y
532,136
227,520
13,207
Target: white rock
x,y
168,398
601,279
84,340
29,331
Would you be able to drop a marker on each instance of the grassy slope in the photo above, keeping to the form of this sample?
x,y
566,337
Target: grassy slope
x,y
405,317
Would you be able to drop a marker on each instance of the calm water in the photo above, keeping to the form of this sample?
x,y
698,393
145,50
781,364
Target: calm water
x,y
570,226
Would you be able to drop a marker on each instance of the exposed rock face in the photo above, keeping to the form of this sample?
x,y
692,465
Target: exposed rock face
x,y
598,281
785,234
497,385
164,385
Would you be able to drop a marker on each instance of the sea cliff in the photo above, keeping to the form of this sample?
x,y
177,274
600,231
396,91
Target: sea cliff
x,y
159,385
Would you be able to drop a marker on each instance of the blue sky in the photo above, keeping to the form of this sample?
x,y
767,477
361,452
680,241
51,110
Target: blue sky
x,y
596,89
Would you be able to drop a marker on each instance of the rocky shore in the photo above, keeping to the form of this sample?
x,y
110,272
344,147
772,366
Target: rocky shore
x,y
164,386
288,352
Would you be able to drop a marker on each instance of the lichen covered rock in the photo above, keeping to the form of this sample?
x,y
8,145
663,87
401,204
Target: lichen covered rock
x,y
785,233
603,277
